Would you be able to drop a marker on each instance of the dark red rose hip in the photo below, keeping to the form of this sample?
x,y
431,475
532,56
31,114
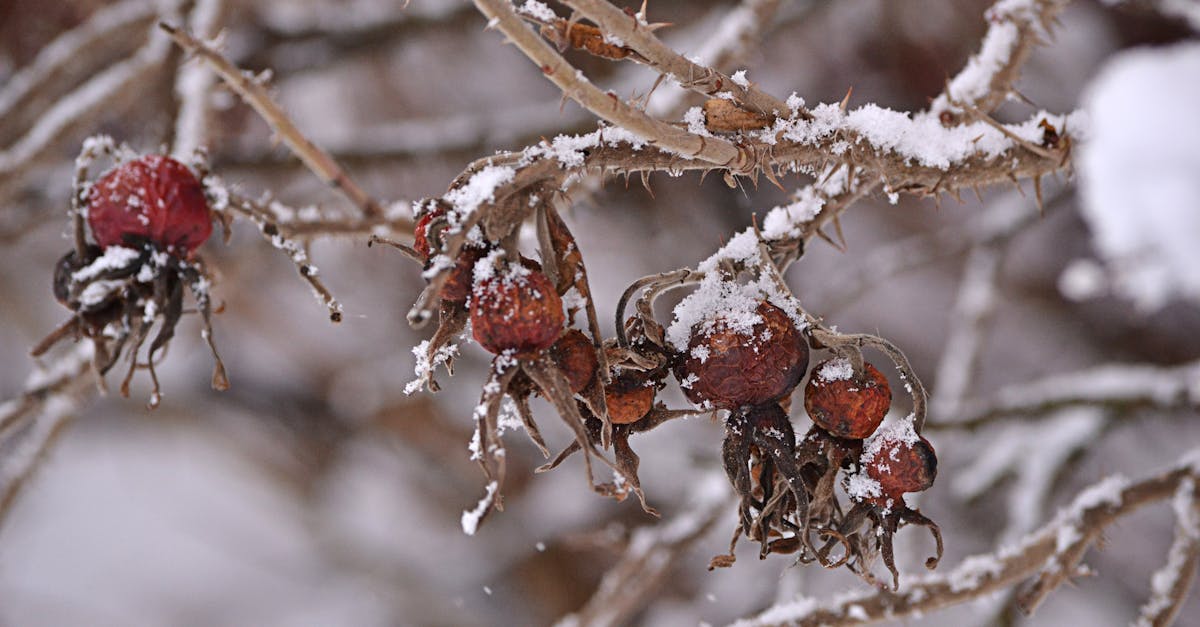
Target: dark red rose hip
x,y
845,405
731,368
516,309
153,198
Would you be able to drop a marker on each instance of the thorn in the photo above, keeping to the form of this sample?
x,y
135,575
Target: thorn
x,y
821,233
769,171
646,182
846,101
977,193
837,228
1037,189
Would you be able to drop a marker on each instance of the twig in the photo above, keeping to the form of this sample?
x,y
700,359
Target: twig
x,y
1119,386
1014,30
652,553
69,60
193,84
1171,583
689,74
251,90
78,107
714,151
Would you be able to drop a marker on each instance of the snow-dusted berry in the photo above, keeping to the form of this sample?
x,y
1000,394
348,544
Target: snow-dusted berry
x,y
575,356
153,199
731,365
846,405
516,309
628,398
900,466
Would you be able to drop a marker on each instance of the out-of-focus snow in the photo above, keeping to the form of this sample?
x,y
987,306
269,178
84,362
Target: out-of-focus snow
x,y
1140,173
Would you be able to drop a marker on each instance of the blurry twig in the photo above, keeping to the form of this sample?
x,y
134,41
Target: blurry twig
x,y
1117,386
651,554
251,89
1171,583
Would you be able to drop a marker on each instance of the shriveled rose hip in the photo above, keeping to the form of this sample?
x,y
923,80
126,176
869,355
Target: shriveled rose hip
x,y
845,405
730,367
902,466
516,309
576,357
628,398
153,198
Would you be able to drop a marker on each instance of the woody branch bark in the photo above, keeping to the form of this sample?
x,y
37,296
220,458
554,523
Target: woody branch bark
x,y
687,73
609,107
255,95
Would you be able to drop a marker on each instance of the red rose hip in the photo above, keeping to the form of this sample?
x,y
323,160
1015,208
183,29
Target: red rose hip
x,y
574,354
516,309
900,466
628,398
845,405
153,198
731,367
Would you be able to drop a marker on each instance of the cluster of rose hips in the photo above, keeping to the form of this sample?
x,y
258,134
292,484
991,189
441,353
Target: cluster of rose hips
x,y
788,489
147,216
606,392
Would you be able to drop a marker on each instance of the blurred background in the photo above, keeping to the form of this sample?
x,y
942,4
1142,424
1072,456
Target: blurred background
x,y
315,492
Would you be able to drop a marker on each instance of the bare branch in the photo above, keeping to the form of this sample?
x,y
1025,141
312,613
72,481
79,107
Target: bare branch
x,y
69,60
652,554
706,80
675,140
251,90
1119,386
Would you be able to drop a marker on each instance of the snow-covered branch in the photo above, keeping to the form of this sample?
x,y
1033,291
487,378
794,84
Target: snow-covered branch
x,y
1061,543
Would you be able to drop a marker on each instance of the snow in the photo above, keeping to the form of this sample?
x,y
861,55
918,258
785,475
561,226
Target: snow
x,y
838,369
739,79
694,118
1082,279
538,10
114,258
1138,170
470,519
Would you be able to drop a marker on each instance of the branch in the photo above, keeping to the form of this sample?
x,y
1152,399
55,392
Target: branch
x,y
652,553
254,94
1056,543
77,108
1120,386
31,423
193,84
689,74
1170,585
672,139
69,60
1016,28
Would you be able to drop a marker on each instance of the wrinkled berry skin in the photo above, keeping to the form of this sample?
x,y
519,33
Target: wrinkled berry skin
x,y
152,199
900,467
850,408
518,311
742,369
628,398
574,354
